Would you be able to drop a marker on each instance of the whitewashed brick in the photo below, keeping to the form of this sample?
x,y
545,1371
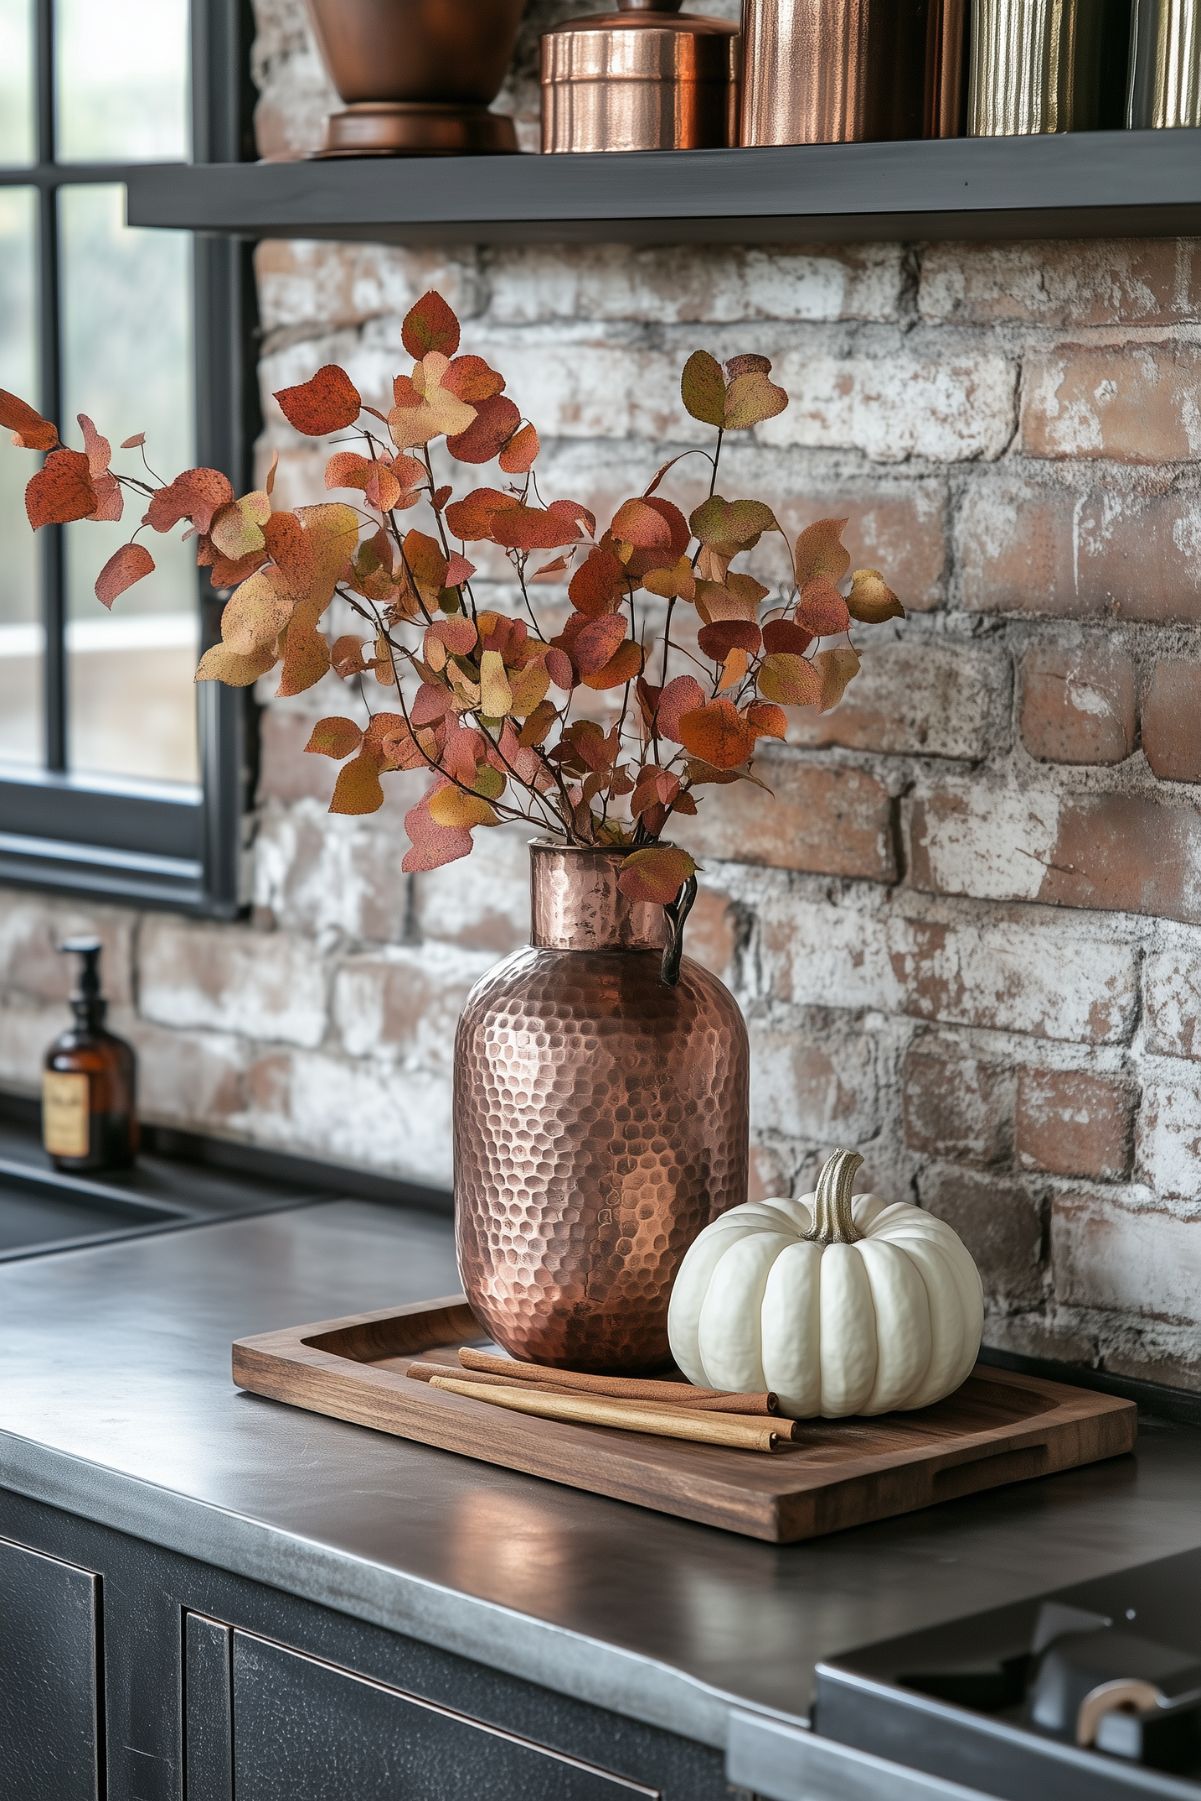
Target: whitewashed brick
x,y
369,1115
227,979
405,1003
1109,1256
1168,1142
958,407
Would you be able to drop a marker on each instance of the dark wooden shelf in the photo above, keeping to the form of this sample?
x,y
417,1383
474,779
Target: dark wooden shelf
x,y
1086,184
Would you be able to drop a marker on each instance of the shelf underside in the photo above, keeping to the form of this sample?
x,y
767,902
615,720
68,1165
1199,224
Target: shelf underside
x,y
1087,184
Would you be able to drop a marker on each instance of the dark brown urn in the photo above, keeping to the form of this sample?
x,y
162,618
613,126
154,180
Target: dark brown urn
x,y
417,76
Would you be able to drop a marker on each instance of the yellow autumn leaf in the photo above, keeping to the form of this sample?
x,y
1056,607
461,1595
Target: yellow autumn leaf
x,y
256,613
451,807
496,696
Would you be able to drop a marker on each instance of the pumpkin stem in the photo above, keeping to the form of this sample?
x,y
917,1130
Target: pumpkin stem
x,y
833,1222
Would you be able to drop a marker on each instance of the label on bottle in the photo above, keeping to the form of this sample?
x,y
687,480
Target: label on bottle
x,y
65,1114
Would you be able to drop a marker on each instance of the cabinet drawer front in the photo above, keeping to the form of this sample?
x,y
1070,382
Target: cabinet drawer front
x,y
48,1677
305,1731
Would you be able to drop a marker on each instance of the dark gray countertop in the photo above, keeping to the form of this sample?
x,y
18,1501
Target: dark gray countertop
x,y
116,1404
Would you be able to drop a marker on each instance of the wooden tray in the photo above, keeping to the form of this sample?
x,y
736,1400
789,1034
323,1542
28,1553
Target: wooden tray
x,y
1000,1427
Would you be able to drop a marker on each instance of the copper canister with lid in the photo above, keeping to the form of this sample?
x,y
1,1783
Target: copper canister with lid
x,y
648,77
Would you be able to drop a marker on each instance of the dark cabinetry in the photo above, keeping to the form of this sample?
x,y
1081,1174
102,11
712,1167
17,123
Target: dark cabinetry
x,y
266,1723
50,1702
219,1689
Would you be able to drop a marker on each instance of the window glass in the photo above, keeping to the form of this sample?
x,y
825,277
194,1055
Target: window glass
x,y
16,81
122,80
20,595
127,363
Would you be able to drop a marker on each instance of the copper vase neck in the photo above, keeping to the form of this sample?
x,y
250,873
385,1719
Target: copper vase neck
x,y
576,905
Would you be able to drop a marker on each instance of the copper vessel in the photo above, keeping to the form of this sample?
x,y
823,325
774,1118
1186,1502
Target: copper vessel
x,y
600,1121
1041,66
842,71
1164,84
418,76
647,77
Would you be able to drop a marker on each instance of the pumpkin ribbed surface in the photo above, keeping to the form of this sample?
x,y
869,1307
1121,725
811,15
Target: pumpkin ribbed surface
x,y
890,1321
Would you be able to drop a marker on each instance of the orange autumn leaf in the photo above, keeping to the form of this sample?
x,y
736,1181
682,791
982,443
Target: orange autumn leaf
x,y
717,733
61,490
820,551
521,452
495,422
471,518
532,528
599,583
430,325
836,668
358,788
767,720
327,402
623,666
821,609
29,430
110,502
196,494
790,679
125,567
334,737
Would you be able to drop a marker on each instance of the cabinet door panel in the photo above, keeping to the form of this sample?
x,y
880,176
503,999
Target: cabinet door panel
x,y
305,1731
48,1683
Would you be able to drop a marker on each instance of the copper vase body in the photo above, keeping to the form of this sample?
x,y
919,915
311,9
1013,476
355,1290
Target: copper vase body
x,y
600,1121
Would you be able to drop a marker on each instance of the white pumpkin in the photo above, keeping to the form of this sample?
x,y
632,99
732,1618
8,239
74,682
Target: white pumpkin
x,y
840,1306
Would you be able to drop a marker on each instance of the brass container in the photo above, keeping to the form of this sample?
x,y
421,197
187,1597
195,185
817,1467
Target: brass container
x,y
843,71
600,1121
418,76
648,77
1040,66
1163,88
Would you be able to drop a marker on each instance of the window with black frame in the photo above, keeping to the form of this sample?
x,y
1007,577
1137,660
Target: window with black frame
x,y
117,775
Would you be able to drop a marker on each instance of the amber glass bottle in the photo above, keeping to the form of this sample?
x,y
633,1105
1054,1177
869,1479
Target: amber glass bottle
x,y
89,1106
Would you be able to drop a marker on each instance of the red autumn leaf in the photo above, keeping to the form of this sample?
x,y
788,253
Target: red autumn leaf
x,y
471,379
786,635
431,704
654,787
725,635
766,720
718,733
458,571
125,567
819,551
470,519
559,668
529,528
790,679
682,695
347,469
334,737
61,490
291,550
430,325
821,608
576,511
134,443
197,495
656,874
703,388
639,523
599,583
432,845
592,642
520,453
30,431
357,789
456,632
538,725
327,402
494,424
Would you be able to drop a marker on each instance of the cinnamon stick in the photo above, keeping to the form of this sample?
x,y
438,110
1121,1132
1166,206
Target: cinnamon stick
x,y
425,1371
748,1433
619,1388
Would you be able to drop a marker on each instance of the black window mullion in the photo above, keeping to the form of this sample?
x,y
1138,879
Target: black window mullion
x,y
53,548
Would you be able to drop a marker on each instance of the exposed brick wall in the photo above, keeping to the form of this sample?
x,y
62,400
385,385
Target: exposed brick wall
x,y
967,933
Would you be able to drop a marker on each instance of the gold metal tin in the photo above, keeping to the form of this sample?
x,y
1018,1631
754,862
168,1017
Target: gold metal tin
x,y
1163,88
1040,66
646,78
842,71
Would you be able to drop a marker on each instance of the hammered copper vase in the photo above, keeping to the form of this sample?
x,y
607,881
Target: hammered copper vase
x,y
600,1122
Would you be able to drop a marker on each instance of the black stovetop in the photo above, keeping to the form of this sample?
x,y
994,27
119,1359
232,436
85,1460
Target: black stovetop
x,y
1091,1693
